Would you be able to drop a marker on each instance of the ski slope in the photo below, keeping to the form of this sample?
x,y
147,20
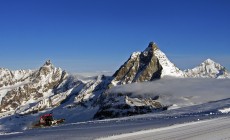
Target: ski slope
x,y
206,121
214,129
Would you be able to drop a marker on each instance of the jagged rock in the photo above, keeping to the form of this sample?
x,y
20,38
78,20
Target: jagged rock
x,y
8,78
141,66
120,105
39,83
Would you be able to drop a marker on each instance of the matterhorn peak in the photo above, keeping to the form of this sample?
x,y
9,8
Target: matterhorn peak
x,y
151,47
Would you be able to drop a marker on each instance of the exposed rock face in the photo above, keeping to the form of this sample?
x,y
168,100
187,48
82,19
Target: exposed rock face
x,y
208,69
140,67
120,105
92,90
40,83
8,78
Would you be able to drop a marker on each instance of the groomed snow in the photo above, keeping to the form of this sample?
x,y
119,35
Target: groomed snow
x,y
215,129
161,125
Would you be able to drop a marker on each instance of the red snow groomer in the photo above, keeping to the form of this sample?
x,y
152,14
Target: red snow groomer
x,y
48,120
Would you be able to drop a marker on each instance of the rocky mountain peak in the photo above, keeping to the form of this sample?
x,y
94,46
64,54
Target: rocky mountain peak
x,y
211,64
47,63
36,84
169,69
141,66
151,48
209,61
47,68
208,69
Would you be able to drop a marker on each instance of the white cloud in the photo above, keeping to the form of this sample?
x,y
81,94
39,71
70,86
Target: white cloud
x,y
183,92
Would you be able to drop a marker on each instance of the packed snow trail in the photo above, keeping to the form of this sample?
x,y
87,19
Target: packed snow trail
x,y
214,129
95,129
218,123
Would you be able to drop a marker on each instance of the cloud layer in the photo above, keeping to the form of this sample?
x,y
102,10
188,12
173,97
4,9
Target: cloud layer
x,y
182,92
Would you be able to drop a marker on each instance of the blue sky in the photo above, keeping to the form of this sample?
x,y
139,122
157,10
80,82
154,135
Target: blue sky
x,y
97,35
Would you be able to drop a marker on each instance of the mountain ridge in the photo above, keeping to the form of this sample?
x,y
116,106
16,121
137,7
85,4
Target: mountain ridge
x,y
48,87
208,69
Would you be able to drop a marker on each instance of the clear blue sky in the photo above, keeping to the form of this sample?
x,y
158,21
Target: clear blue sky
x,y
96,35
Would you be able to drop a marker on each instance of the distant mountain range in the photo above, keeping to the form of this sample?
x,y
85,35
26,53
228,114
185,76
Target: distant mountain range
x,y
48,88
152,64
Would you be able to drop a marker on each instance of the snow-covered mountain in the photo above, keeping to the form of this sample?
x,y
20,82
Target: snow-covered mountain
x,y
8,78
141,66
49,88
208,69
148,65
29,91
31,86
153,64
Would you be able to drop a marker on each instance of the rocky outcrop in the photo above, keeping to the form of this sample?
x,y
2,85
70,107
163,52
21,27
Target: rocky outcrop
x,y
120,105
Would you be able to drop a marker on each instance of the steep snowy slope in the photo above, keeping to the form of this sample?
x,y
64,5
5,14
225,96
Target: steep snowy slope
x,y
208,69
169,69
